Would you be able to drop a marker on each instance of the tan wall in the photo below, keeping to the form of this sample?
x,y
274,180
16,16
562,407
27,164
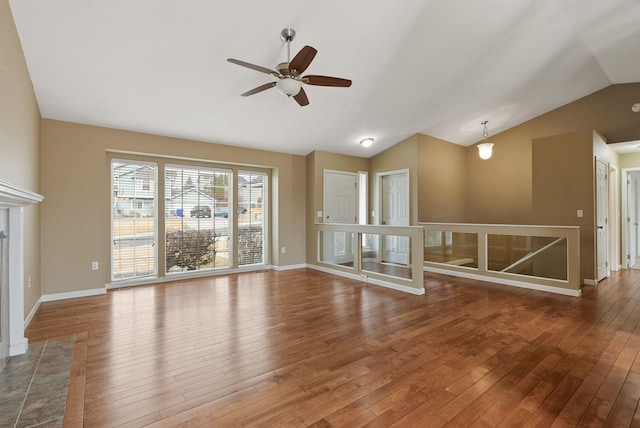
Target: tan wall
x,y
441,180
317,163
403,155
630,160
499,189
563,183
20,142
75,184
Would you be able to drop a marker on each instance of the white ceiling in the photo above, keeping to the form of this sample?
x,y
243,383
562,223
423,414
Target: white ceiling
x,y
439,67
626,147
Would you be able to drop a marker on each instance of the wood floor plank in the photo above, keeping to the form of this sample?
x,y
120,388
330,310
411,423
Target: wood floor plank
x,y
306,348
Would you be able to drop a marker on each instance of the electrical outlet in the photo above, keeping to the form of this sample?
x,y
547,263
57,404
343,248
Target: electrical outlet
x,y
29,281
94,266
283,250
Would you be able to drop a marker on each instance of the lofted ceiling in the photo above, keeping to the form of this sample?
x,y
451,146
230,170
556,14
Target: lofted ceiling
x,y
439,67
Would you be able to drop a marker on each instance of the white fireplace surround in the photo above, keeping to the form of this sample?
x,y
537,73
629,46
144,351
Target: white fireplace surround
x,y
15,199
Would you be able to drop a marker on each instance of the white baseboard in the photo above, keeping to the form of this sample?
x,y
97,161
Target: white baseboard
x,y
334,272
398,287
369,280
590,282
289,267
19,348
537,287
27,321
73,294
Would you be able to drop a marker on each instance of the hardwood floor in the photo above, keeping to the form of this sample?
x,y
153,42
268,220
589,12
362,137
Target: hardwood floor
x,y
305,348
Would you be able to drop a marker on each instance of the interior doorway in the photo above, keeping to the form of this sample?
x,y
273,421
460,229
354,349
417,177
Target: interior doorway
x,y
602,219
394,211
630,220
614,220
340,205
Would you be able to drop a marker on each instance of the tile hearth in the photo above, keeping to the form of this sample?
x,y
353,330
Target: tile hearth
x,y
33,386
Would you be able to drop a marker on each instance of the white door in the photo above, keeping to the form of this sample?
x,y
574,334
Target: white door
x,y
395,212
614,218
629,207
340,197
340,206
602,212
4,287
632,219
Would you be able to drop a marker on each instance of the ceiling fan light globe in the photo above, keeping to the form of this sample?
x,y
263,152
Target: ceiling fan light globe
x,y
288,86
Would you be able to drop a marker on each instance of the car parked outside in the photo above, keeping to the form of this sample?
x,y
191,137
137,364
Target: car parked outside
x,y
201,211
224,212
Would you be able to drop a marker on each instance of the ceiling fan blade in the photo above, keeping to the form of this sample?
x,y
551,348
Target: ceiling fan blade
x,y
301,61
259,89
253,66
301,98
326,81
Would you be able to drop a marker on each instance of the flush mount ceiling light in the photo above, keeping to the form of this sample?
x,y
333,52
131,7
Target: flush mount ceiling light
x,y
485,150
635,108
367,142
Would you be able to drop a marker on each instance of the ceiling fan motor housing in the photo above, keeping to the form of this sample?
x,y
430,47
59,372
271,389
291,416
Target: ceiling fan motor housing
x,y
283,68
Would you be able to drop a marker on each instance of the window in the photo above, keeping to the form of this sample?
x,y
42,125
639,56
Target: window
x,y
133,220
214,218
251,217
197,214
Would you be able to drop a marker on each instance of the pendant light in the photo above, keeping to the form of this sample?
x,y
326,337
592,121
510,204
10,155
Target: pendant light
x,y
485,150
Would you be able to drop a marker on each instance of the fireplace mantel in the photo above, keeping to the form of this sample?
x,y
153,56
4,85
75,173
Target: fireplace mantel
x,y
13,196
15,199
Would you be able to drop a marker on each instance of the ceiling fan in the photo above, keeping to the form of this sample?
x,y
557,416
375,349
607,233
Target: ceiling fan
x,y
289,73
